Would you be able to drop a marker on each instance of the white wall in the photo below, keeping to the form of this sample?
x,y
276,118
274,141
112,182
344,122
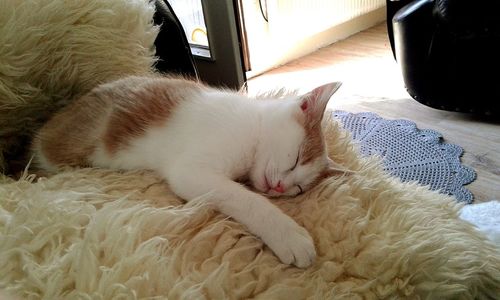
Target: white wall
x,y
293,32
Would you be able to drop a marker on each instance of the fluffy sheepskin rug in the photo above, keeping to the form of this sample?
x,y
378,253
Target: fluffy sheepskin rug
x,y
101,234
54,50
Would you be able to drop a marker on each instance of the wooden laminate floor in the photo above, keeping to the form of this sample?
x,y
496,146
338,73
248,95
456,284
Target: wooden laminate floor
x,y
372,82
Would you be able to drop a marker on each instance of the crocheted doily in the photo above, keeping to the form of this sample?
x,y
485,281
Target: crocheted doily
x,y
410,153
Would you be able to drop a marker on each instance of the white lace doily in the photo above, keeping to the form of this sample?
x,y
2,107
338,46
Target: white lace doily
x,y
410,153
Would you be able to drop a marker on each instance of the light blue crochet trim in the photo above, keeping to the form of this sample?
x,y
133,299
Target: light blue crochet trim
x,y
410,153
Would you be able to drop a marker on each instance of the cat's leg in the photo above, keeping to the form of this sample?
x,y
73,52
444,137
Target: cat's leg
x,y
289,241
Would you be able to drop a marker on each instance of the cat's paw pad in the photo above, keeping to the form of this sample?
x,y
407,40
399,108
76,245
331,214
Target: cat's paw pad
x,y
295,246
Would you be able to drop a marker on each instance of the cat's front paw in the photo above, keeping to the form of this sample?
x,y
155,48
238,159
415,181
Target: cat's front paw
x,y
292,244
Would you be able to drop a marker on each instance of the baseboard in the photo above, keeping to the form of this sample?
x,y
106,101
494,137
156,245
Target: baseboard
x,y
320,40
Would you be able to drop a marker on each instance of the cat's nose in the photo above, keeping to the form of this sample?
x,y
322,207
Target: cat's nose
x,y
279,187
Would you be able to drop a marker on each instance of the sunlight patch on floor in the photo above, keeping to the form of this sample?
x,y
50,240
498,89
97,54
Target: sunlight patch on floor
x,y
363,80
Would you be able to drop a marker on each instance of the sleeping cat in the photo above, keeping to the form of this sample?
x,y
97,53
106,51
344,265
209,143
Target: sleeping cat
x,y
203,141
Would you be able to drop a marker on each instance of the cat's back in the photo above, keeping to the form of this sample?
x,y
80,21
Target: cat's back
x,y
111,115
147,97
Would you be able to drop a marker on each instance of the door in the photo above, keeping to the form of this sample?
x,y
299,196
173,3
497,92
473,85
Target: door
x,y
212,29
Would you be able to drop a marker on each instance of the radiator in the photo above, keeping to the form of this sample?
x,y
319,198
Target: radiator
x,y
307,17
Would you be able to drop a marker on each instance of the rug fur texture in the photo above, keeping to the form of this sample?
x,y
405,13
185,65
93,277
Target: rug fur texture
x,y
101,234
55,50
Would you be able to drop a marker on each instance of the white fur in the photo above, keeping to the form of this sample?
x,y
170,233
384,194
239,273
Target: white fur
x,y
486,217
218,137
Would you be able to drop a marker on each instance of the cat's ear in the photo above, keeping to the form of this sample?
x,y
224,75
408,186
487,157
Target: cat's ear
x,y
313,103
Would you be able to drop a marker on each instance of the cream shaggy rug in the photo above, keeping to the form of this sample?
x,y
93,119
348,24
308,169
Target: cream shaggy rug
x,y
54,50
100,234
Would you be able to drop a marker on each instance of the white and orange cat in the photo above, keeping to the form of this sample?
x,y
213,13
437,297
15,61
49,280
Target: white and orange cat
x,y
203,141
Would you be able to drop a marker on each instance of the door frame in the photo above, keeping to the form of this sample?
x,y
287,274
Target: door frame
x,y
225,66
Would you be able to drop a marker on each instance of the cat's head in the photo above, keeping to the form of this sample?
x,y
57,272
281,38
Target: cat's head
x,y
291,156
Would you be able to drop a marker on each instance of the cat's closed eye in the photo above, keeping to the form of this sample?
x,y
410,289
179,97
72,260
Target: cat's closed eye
x,y
295,164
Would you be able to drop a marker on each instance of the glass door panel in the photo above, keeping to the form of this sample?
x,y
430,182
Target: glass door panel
x,y
190,14
212,29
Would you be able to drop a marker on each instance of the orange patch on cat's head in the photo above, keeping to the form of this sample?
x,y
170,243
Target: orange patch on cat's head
x,y
312,108
314,144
